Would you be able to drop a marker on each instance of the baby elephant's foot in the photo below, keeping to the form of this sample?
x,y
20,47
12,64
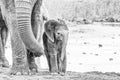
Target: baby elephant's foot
x,y
20,70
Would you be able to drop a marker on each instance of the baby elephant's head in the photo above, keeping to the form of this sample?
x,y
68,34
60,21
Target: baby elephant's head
x,y
55,30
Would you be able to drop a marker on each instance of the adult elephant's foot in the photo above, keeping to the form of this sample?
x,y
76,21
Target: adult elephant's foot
x,y
20,69
33,67
4,63
31,62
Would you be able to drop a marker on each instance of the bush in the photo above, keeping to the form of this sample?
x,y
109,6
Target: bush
x,y
110,19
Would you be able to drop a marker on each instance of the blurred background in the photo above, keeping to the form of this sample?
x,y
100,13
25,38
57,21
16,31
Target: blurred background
x,y
89,10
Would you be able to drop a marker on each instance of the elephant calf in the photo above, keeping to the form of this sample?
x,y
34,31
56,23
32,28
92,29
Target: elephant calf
x,y
55,40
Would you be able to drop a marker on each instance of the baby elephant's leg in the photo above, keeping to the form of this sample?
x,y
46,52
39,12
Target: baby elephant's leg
x,y
53,62
62,64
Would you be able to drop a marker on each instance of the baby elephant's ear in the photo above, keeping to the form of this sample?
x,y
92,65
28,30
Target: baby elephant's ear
x,y
49,31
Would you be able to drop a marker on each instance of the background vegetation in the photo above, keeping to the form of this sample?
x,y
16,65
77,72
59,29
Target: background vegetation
x,y
78,10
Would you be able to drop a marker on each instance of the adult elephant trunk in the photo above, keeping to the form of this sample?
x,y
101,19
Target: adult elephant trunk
x,y
24,12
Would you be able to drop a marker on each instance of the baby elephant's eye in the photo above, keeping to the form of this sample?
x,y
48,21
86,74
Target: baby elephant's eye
x,y
58,34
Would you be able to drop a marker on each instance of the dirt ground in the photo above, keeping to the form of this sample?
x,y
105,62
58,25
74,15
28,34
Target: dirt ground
x,y
94,47
93,53
45,75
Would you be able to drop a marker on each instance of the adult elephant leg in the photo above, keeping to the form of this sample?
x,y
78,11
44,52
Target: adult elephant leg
x,y
31,62
20,63
1,51
4,35
36,23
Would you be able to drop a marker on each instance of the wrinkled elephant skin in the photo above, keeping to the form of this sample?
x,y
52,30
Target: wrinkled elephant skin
x,y
20,16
